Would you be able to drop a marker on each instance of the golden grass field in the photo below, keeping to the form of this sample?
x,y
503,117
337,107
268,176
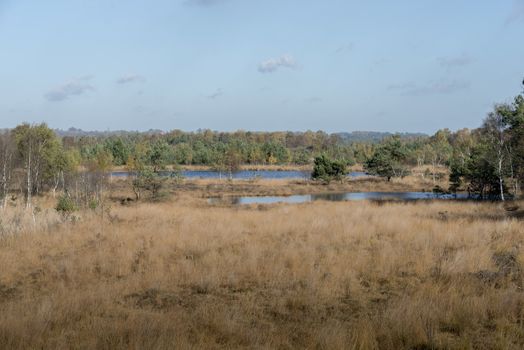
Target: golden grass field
x,y
185,274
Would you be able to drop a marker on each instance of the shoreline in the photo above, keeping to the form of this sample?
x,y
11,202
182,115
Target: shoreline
x,y
213,188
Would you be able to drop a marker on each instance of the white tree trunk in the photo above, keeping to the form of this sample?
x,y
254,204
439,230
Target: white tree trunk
x,y
433,163
500,161
29,185
501,184
5,181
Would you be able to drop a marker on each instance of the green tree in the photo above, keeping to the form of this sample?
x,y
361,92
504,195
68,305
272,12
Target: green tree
x,y
138,158
513,115
301,157
275,153
201,153
159,155
119,150
389,159
183,153
481,173
489,160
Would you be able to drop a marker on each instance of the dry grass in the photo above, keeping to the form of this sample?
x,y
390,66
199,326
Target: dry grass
x,y
320,275
286,187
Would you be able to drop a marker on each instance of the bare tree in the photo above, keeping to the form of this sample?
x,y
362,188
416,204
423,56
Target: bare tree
x,y
7,150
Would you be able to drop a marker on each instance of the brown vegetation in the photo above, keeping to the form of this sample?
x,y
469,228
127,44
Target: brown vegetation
x,y
184,274
247,167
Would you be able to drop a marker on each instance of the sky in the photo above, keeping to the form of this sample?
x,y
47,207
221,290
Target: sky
x,y
332,65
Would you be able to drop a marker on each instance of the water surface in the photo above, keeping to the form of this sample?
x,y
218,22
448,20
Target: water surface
x,y
339,197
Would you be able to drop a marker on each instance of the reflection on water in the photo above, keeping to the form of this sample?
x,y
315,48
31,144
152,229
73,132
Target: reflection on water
x,y
244,174
338,197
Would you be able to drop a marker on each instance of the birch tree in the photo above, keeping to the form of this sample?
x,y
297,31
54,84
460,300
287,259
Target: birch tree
x,y
7,150
495,131
34,144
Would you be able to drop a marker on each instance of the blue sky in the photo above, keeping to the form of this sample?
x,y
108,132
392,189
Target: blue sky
x,y
333,65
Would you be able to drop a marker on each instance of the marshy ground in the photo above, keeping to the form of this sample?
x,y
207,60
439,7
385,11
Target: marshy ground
x,y
186,274
210,188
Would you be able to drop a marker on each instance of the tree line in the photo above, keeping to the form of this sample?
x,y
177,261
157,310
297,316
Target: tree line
x,y
487,161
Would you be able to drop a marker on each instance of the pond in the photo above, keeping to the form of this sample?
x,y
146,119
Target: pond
x,y
339,197
244,174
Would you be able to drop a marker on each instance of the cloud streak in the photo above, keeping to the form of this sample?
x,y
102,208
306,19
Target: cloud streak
x,y
204,3
441,87
75,87
215,95
273,64
130,78
517,12
345,48
453,62
313,99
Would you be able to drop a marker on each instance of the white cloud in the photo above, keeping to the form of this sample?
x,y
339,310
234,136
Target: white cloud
x,y
273,64
442,87
75,87
130,78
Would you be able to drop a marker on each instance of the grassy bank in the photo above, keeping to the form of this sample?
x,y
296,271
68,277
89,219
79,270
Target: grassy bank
x,y
319,275
205,188
248,167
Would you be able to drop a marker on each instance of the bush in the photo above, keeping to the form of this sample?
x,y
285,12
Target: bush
x,y
327,169
148,181
93,204
66,205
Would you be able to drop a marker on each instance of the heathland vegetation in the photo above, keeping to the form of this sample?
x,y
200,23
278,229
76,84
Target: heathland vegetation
x,y
146,262
184,274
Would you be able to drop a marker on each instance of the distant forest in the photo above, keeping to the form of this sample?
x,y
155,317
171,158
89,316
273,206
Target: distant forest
x,y
214,148
348,137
